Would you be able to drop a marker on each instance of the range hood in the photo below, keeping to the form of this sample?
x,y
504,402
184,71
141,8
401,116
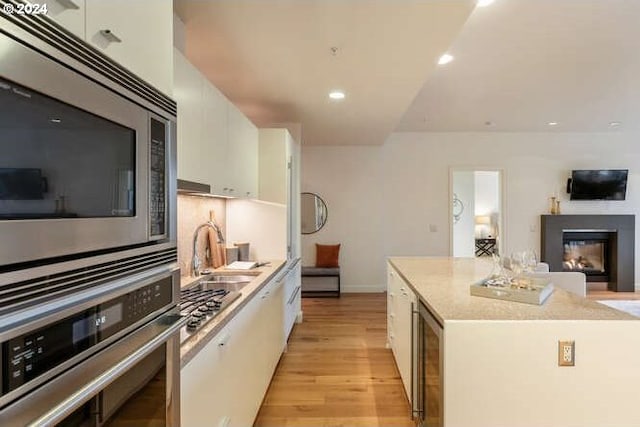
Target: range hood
x,y
191,187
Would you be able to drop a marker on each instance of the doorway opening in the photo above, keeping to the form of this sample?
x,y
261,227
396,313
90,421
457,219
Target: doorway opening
x,y
476,212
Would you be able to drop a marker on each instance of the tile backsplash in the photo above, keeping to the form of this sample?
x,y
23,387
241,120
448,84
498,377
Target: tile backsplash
x,y
193,211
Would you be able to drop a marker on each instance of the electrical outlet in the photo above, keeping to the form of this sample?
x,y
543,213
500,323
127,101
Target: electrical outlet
x,y
566,353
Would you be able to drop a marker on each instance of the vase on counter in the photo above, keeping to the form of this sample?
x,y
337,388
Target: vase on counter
x,y
554,206
557,207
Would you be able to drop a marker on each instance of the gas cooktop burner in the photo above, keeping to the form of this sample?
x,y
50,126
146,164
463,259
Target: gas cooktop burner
x,y
201,305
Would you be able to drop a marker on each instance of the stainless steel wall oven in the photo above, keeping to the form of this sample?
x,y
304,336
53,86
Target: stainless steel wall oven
x,y
89,284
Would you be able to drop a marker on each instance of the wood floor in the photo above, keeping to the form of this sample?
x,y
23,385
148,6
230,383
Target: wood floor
x,y
598,291
337,371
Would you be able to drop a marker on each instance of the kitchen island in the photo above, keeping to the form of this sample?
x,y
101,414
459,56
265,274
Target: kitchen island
x,y
499,359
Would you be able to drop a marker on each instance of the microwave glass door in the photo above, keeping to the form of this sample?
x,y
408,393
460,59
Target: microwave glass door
x,y
59,161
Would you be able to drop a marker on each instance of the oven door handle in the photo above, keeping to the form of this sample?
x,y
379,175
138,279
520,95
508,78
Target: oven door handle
x,y
168,324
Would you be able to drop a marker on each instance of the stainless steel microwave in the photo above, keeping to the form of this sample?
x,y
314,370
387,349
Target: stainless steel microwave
x,y
87,150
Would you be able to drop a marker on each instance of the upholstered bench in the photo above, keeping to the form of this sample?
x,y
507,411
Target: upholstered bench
x,y
321,281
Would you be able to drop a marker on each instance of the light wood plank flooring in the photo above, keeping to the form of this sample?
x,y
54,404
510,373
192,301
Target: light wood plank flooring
x,y
337,371
598,291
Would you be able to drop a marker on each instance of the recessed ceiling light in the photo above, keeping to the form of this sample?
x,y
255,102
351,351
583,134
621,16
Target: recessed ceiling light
x,y
483,3
54,120
614,124
445,59
553,123
336,94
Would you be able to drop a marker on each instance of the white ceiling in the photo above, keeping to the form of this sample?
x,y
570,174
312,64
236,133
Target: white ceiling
x,y
272,59
521,64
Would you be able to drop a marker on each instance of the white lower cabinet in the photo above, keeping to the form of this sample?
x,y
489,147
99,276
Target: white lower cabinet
x,y
292,298
400,305
224,384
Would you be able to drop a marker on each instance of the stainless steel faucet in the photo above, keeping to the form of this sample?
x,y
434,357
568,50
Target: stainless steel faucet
x,y
195,260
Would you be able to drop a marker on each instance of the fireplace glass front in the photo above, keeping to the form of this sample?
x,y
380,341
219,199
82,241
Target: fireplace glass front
x,y
587,256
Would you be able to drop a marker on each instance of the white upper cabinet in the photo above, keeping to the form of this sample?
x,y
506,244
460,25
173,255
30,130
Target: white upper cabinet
x,y
217,144
188,92
136,34
215,134
69,14
242,155
272,168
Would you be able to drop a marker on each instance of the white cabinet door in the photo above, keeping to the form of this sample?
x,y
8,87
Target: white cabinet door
x,y
293,200
137,34
273,334
242,154
404,308
192,146
214,133
392,296
272,153
292,300
202,400
69,14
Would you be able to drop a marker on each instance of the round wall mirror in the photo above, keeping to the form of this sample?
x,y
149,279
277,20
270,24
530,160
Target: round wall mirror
x,y
313,211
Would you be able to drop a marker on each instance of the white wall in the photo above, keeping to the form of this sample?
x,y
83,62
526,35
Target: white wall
x,y
349,180
394,199
464,230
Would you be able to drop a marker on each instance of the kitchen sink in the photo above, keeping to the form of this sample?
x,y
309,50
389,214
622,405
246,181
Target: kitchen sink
x,y
227,286
232,278
229,282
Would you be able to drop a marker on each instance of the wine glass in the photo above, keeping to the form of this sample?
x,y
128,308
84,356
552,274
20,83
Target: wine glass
x,y
530,261
517,262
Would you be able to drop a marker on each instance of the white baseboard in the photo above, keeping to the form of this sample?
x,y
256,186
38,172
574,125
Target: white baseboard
x,y
363,289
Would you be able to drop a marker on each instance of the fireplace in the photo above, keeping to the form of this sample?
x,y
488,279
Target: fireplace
x,y
600,246
588,252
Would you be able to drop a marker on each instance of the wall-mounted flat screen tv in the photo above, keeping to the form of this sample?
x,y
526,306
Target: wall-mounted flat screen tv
x,y
608,184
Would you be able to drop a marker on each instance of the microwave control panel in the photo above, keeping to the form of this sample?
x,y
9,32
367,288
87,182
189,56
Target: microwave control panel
x,y
158,180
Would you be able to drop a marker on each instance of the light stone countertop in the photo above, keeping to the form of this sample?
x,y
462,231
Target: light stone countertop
x,y
205,334
442,283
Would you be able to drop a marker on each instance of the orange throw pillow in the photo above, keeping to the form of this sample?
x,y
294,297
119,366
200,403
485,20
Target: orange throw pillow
x,y
327,255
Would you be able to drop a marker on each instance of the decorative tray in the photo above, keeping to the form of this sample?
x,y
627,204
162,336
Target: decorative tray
x,y
526,290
